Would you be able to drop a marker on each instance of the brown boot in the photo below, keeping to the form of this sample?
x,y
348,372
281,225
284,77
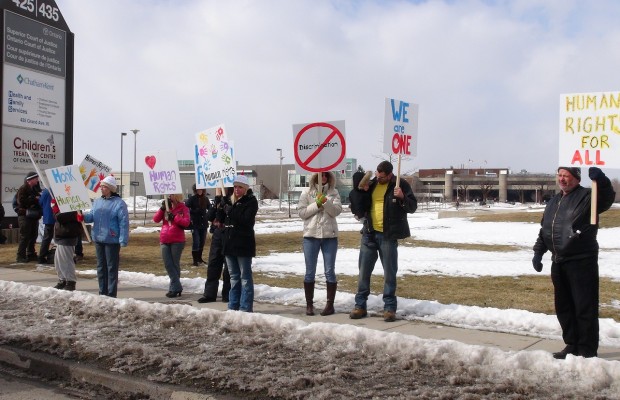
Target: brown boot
x,y
309,289
331,295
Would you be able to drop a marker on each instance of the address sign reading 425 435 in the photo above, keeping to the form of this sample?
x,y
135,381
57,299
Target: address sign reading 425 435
x,y
39,8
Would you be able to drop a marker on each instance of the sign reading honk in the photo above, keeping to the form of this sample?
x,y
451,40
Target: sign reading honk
x,y
68,188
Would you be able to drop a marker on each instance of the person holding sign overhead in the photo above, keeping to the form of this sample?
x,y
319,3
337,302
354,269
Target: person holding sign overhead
x,y
110,232
568,233
175,217
388,212
318,207
240,244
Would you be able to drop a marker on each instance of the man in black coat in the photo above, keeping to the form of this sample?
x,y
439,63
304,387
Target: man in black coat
x,y
28,214
566,231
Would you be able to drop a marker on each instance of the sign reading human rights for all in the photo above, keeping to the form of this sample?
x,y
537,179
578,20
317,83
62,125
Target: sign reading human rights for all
x,y
319,146
590,129
161,172
93,171
68,188
401,128
214,157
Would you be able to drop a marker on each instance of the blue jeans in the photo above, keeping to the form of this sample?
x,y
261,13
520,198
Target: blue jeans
x,y
328,247
387,250
108,256
171,254
241,295
199,236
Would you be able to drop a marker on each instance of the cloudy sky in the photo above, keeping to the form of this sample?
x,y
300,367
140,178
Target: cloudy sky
x,y
487,75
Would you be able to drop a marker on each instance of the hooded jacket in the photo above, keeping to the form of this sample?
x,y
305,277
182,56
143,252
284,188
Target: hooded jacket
x,y
320,222
110,220
565,227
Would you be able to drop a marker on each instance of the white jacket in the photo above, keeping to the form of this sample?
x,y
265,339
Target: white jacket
x,y
320,222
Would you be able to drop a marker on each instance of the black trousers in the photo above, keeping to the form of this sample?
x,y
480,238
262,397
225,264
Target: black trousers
x,y
215,265
576,289
28,232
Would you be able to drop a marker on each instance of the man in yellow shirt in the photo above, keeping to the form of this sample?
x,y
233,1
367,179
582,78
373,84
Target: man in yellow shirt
x,y
388,216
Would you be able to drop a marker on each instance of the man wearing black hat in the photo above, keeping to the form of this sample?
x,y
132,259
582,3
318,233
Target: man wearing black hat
x,y
28,214
566,231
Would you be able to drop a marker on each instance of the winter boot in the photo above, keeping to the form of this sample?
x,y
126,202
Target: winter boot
x,y
309,290
200,260
331,295
61,284
195,258
70,286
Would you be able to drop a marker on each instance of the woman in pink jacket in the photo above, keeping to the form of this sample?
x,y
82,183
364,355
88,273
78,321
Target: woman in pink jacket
x,y
172,239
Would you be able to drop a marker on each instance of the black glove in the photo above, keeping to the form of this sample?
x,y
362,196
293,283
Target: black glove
x,y
170,216
163,205
537,262
595,174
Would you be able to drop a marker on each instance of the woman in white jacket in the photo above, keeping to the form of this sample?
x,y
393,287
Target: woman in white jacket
x,y
318,207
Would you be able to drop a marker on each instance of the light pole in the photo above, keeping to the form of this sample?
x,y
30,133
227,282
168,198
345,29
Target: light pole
x,y
280,195
123,134
135,136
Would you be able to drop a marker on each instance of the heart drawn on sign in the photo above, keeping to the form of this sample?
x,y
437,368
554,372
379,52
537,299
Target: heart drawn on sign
x,y
150,161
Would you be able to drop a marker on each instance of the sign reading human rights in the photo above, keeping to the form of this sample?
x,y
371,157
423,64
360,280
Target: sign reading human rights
x,y
93,171
401,128
319,146
68,188
590,129
213,156
161,172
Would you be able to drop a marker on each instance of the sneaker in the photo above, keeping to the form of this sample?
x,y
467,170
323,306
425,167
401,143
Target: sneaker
x,y
389,316
358,313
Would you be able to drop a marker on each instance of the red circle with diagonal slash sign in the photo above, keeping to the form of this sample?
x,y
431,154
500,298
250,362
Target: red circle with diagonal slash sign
x,y
305,164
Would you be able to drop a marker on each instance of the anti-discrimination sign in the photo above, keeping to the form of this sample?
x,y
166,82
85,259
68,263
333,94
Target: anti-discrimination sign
x,y
214,158
319,146
68,188
93,171
590,130
161,172
400,128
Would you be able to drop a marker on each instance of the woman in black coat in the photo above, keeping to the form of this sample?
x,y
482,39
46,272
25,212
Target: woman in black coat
x,y
198,205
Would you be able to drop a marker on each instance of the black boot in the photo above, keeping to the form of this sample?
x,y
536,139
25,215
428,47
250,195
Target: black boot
x,y
309,290
61,284
200,260
331,295
195,258
70,286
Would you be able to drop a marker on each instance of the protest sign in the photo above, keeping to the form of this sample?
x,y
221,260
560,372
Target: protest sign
x,y
213,156
68,188
230,170
161,172
400,134
319,146
93,171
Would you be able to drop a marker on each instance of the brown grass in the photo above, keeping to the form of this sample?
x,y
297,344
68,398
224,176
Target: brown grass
x,y
532,292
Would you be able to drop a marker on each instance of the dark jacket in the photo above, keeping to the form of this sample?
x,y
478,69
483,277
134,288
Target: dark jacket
x,y
395,224
198,211
565,227
27,197
239,237
67,227
216,213
360,199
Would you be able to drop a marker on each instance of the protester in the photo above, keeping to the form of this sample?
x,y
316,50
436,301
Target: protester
x,y
28,214
198,205
172,239
110,232
67,231
240,244
3,238
318,207
217,260
566,231
360,200
48,227
388,213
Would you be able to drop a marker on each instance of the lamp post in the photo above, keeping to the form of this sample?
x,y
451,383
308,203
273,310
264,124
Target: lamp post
x,y
135,136
280,195
123,134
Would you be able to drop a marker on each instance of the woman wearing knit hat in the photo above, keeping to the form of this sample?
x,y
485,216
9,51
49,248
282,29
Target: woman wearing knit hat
x,y
110,232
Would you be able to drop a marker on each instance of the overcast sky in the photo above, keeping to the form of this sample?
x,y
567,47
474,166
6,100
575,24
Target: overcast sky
x,y
487,75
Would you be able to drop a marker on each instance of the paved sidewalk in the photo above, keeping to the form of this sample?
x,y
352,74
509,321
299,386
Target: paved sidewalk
x,y
505,341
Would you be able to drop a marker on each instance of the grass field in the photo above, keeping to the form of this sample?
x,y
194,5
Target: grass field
x,y
532,292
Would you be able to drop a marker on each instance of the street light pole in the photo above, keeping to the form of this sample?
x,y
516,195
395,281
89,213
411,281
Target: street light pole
x,y
123,134
280,195
135,136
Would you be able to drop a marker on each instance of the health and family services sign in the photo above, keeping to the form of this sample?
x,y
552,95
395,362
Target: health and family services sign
x,y
590,129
